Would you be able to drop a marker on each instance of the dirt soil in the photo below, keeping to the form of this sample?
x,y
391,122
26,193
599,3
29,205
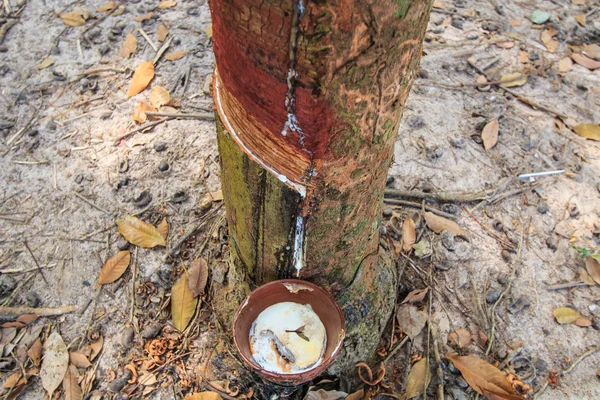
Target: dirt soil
x,y
73,160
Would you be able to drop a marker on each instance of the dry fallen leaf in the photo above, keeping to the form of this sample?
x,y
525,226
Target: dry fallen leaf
x,y
70,385
323,394
203,396
167,4
489,134
139,112
139,233
439,224
79,360
483,377
73,18
176,55
585,61
588,131
161,33
142,76
129,46
508,44
416,296
585,278
418,379
95,348
438,4
46,62
147,379
513,79
208,31
159,96
566,315
591,51
55,362
547,38
13,380
35,352
565,65
163,228
183,304
583,322
409,234
106,7
198,276
481,338
26,319
592,267
114,268
143,17
460,338
358,395
523,57
411,319
580,19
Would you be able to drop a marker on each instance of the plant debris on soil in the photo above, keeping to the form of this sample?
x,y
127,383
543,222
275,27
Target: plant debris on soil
x,y
112,229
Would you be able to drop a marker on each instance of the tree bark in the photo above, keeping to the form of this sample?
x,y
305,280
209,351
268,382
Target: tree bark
x,y
309,98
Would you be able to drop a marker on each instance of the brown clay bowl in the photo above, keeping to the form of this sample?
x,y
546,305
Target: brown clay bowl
x,y
297,291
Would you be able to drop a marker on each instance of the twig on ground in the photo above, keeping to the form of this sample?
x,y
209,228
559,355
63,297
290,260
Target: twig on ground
x,y
36,263
102,18
396,202
187,80
438,360
204,116
567,285
145,35
395,193
162,50
142,128
492,234
14,312
92,204
6,26
133,278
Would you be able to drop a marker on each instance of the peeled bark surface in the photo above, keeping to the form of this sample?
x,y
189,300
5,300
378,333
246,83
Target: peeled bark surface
x,y
309,97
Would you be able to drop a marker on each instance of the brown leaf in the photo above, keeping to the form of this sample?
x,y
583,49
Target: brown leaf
x,y
159,96
508,44
70,385
203,396
13,380
142,76
566,315
438,224
176,55
591,51
95,348
489,134
585,278
216,195
523,57
358,395
143,17
167,4
592,267
409,234
106,7
147,379
183,304
580,18
418,379
198,276
483,377
79,360
139,233
583,322
27,318
416,296
323,394
129,46
585,61
481,338
114,268
513,79
547,38
73,18
54,363
139,112
35,352
588,131
161,33
411,320
163,228
460,338
208,31
565,65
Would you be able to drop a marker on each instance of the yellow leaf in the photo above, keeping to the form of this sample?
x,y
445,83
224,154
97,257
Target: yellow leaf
x,y
483,377
438,224
489,134
163,228
592,267
418,379
578,2
161,33
585,61
198,276
548,41
106,7
143,17
73,18
139,233
208,31
588,131
183,304
409,234
203,396
142,76
438,4
45,63
580,19
129,46
70,386
159,96
119,11
565,65
566,315
114,268
167,4
523,57
176,55
139,113
513,79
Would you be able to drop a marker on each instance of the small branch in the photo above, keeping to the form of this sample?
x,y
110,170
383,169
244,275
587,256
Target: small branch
x,y
14,312
102,18
145,35
395,193
396,202
143,128
36,263
92,204
567,285
204,116
162,50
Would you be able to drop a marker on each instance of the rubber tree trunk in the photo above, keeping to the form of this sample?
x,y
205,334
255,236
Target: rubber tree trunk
x,y
309,96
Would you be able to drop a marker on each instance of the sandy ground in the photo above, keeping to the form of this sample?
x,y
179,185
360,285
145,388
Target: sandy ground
x,y
66,175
